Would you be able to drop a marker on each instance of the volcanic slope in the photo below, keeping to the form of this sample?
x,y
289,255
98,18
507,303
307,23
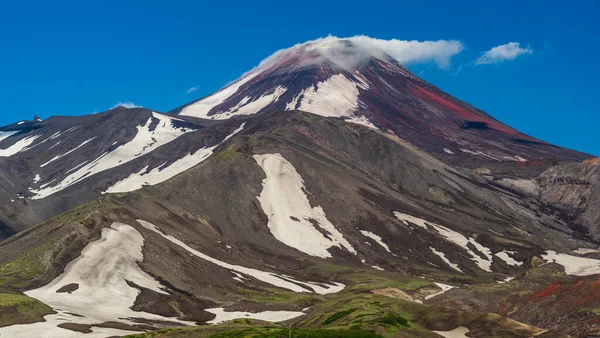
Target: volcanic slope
x,y
48,167
355,80
391,227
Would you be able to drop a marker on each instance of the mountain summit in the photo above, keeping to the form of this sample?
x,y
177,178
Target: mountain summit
x,y
362,80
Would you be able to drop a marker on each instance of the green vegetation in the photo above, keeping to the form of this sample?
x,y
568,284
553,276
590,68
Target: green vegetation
x,y
337,316
310,118
271,295
391,319
26,267
438,195
20,309
366,311
261,332
354,312
227,154
595,311
510,242
299,333
84,212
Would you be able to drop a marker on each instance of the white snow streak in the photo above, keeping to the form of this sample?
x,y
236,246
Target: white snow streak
x,y
445,259
506,280
19,146
337,96
6,134
455,237
362,120
504,255
161,174
479,153
68,152
376,239
285,203
268,316
204,106
144,142
247,107
282,281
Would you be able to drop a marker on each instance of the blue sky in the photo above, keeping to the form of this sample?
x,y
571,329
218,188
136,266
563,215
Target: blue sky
x,y
79,57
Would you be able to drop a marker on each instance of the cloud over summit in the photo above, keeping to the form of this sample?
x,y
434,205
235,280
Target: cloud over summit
x,y
351,52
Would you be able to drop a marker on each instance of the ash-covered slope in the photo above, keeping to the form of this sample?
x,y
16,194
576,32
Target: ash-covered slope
x,y
292,211
48,167
357,81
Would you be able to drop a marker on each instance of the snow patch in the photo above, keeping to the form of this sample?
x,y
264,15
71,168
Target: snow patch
x,y
337,96
584,251
574,265
282,281
448,151
504,255
445,259
163,173
19,146
459,332
376,239
102,294
362,120
444,288
454,237
506,280
292,220
203,107
268,316
247,107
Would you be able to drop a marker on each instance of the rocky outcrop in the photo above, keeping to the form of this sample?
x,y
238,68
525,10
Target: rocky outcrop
x,y
576,189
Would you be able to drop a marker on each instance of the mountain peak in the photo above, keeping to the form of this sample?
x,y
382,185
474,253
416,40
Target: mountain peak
x,y
353,52
363,80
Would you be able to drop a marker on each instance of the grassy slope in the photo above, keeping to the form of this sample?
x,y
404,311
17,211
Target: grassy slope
x,y
358,312
20,309
25,264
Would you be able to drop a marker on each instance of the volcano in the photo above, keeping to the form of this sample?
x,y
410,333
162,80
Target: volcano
x,y
328,192
357,81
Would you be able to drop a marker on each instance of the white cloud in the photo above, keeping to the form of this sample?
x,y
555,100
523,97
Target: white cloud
x,y
127,105
502,53
351,52
192,89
